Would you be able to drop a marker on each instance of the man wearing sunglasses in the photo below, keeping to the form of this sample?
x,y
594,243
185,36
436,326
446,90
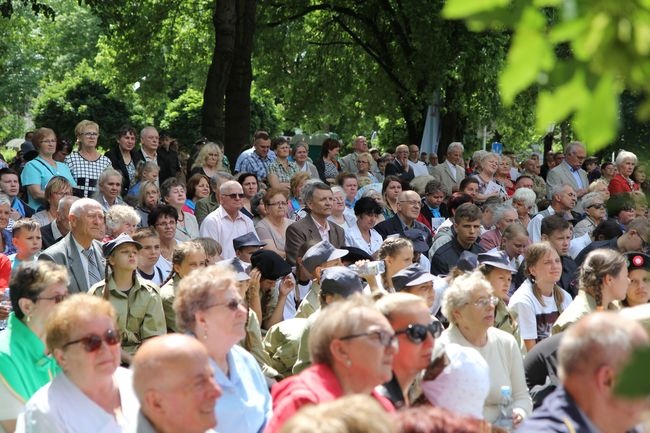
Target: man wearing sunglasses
x,y
227,222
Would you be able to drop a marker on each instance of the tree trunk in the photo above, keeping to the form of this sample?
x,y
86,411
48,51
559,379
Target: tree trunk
x,y
451,129
238,91
224,21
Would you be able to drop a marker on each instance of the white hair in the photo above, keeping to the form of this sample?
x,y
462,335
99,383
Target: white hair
x,y
526,195
82,205
455,145
624,156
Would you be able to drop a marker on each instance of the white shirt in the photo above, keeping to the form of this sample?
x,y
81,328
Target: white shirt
x,y
219,226
289,311
535,226
452,168
419,168
353,238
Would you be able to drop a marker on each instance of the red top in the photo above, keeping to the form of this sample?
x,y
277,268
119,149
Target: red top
x,y
316,384
5,271
619,184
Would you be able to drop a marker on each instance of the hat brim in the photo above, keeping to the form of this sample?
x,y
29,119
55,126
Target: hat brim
x,y
337,254
500,266
424,278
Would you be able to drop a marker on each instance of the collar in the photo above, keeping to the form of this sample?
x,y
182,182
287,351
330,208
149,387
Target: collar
x,y
56,232
323,228
404,226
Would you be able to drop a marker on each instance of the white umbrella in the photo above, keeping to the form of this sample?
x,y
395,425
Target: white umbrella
x,y
14,143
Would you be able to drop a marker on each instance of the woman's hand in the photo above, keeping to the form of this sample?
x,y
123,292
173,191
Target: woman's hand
x,y
517,416
287,285
254,282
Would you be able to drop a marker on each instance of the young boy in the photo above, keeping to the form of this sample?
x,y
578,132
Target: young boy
x,y
148,255
27,240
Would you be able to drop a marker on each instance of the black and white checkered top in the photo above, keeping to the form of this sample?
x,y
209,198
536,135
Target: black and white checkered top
x,y
86,173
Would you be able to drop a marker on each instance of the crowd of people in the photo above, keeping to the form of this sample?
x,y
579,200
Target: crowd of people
x,y
361,293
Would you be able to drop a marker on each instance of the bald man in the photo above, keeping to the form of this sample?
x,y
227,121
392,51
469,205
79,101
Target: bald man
x,y
591,355
174,382
400,165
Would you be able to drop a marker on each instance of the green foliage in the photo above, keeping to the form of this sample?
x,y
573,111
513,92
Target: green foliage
x,y
581,54
265,114
182,118
634,380
7,8
80,96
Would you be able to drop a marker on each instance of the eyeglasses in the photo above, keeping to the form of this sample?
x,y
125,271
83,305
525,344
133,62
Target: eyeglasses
x,y
417,333
62,193
412,202
48,141
57,299
167,224
278,203
363,162
235,196
597,206
385,338
484,302
90,134
92,343
232,305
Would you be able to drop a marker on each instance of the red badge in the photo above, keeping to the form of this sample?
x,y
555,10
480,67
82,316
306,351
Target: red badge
x,y
637,261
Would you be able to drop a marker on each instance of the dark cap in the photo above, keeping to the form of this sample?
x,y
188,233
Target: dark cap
x,y
498,259
411,276
467,261
270,264
320,253
124,238
339,280
637,260
355,254
418,238
247,240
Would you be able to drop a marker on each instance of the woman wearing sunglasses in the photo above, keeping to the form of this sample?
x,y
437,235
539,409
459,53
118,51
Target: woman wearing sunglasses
x,y
35,289
93,394
416,332
352,346
594,207
209,306
469,305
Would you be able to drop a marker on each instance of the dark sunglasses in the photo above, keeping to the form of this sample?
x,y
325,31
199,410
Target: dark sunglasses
x,y
92,342
57,299
232,305
235,195
597,206
418,333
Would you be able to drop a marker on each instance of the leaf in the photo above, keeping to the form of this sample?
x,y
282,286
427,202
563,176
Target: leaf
x,y
553,107
585,46
457,9
634,380
530,54
597,120
567,31
642,35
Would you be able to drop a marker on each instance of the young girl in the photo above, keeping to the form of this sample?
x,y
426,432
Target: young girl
x,y
139,307
148,170
187,257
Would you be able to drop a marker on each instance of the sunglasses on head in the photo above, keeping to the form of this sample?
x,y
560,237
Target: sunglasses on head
x,y
417,333
92,342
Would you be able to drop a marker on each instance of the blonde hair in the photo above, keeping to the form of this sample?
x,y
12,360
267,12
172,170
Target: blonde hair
x,y
82,126
534,253
460,291
597,265
398,303
119,214
203,154
66,317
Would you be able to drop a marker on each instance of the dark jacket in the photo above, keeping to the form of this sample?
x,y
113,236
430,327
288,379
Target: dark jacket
x,y
558,414
568,280
320,166
166,160
47,236
447,256
118,163
396,169
393,226
612,244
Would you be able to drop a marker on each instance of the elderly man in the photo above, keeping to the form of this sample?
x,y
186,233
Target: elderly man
x,y
80,251
418,166
400,165
349,162
227,222
408,211
570,172
532,167
591,355
451,172
563,200
54,231
149,144
183,398
259,160
504,215
318,200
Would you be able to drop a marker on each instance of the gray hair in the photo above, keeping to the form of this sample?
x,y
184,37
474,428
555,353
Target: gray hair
x,y
119,214
338,190
559,189
526,195
109,172
82,205
459,293
591,198
309,188
227,184
219,178
66,201
623,156
4,199
571,147
145,129
455,145
500,211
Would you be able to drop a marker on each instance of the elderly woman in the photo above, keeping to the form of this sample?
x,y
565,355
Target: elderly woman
x,y
391,188
469,305
6,242
523,200
594,207
502,176
172,192
110,187
35,289
362,234
488,164
93,394
272,229
38,172
209,161
300,155
120,219
57,188
622,182
296,203
339,215
281,170
364,176
416,332
602,280
352,346
251,186
327,165
601,187
139,307
148,198
198,187
122,156
87,164
539,301
208,305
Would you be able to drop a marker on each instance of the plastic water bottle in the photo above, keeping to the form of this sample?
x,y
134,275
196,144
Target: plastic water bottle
x,y
5,301
505,410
